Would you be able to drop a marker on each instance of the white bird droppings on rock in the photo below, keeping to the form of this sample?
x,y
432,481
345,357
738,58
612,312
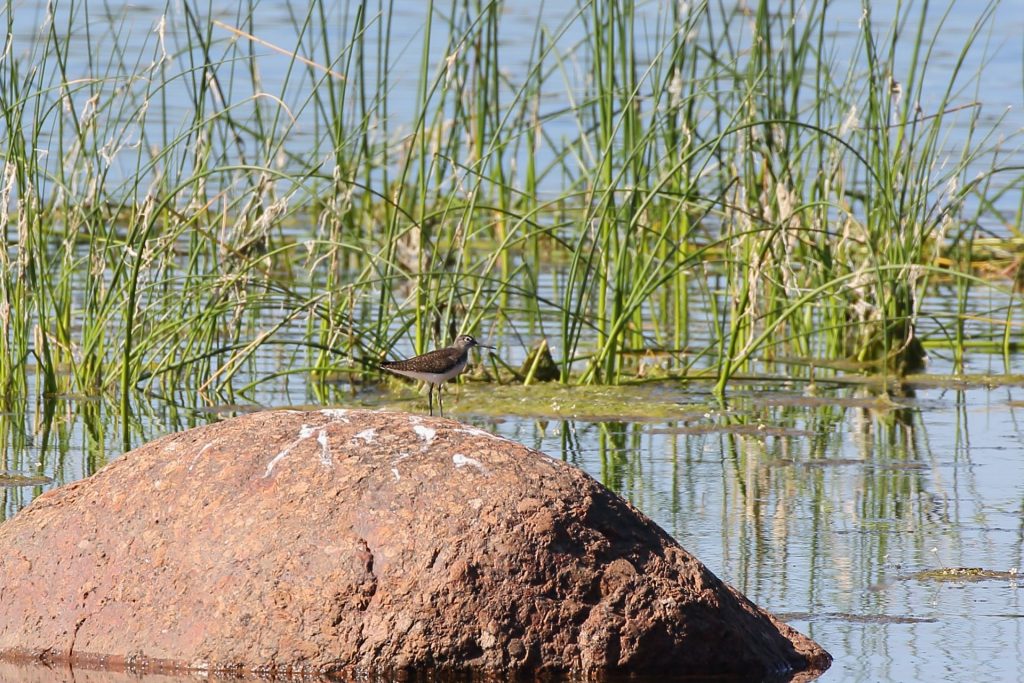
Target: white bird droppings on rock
x,y
277,458
480,432
305,432
425,433
325,450
461,460
367,435
199,455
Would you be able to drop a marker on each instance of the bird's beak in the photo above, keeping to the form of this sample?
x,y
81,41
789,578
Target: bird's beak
x,y
484,346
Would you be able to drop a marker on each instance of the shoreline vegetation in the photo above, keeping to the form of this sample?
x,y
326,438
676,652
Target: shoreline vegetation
x,y
692,191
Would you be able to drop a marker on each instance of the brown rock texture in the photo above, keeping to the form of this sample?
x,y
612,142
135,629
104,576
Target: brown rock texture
x,y
356,541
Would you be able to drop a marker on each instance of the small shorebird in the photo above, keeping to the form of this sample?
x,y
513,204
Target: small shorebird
x,y
437,367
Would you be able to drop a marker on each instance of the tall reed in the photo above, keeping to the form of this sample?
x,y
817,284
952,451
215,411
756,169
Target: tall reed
x,y
214,204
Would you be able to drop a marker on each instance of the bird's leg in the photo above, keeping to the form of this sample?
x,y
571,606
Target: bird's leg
x,y
440,405
430,398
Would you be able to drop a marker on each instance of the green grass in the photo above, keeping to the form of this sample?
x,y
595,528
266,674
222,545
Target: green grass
x,y
718,188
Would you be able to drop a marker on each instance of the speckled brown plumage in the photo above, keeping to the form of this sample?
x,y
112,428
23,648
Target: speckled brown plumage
x,y
436,367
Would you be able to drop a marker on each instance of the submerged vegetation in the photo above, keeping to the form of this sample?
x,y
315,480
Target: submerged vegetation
x,y
684,189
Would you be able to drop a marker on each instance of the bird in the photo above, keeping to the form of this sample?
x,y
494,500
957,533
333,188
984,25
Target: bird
x,y
436,367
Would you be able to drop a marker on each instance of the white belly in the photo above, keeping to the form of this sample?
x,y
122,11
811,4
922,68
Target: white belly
x,y
432,377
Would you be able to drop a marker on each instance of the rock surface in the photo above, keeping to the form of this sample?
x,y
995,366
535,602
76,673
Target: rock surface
x,y
354,541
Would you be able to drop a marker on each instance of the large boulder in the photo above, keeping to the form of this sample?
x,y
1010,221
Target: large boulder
x,y
356,541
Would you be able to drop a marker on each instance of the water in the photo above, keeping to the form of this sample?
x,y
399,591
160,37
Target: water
x,y
825,505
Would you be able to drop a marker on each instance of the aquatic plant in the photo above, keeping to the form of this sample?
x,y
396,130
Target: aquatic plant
x,y
213,205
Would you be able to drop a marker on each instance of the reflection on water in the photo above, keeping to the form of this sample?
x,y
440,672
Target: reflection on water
x,y
844,511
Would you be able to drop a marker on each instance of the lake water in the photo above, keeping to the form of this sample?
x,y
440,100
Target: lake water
x,y
842,512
